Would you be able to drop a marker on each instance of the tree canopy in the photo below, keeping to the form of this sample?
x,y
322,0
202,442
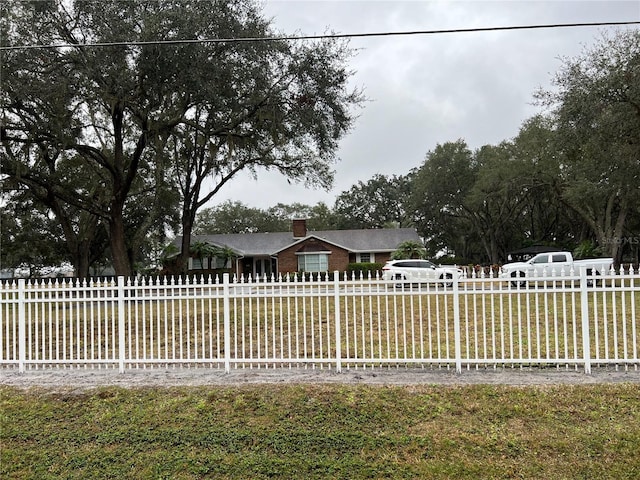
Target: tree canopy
x,y
236,217
570,176
130,132
378,203
597,124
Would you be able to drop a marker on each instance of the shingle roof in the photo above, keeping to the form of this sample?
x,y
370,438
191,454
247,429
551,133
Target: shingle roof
x,y
372,240
249,244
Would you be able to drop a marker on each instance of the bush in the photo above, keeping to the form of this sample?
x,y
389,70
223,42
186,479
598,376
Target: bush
x,y
364,269
409,249
587,249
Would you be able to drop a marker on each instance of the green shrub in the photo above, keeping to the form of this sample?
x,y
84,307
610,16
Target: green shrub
x,y
587,249
409,249
364,269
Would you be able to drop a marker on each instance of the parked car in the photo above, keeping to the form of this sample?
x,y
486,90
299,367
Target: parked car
x,y
553,263
419,271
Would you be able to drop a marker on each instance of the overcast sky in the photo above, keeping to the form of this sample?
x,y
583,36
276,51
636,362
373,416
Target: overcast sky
x,y
429,89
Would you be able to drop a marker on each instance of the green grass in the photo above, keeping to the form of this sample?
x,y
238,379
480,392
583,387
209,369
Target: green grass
x,y
322,431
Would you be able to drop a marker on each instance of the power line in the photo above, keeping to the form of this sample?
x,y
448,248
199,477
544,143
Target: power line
x,y
320,37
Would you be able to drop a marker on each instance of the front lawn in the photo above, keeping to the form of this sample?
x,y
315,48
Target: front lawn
x,y
322,431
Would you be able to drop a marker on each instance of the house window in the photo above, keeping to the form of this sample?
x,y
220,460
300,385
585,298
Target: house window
x,y
210,262
197,263
313,262
219,262
365,258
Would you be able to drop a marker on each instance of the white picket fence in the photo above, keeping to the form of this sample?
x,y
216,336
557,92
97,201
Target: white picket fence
x,y
569,321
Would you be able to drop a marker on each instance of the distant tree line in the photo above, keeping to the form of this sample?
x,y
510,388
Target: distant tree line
x,y
110,152
571,177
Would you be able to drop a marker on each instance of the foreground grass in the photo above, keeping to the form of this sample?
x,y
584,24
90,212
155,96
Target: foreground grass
x,y
323,431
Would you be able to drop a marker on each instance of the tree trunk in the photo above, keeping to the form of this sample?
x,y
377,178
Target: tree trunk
x,y
82,267
179,265
188,219
78,242
81,261
119,252
616,240
609,229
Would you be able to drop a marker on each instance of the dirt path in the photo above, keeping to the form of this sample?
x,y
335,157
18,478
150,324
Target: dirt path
x,y
80,379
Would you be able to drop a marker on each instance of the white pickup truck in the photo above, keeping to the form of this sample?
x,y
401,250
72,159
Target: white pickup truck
x,y
553,264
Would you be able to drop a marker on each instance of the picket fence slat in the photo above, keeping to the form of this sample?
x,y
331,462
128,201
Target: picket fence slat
x,y
329,321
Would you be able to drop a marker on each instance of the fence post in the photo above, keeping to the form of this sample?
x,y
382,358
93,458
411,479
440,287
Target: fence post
x,y
456,323
336,304
22,327
586,337
121,325
227,322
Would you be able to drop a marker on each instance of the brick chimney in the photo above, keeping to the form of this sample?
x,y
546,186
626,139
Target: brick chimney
x,y
299,228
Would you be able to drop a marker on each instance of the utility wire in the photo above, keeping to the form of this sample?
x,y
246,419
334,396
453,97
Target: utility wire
x,y
319,37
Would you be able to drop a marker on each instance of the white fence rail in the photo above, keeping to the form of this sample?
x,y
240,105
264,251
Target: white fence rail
x,y
567,321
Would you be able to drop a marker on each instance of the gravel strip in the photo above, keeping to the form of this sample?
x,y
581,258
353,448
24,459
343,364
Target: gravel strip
x,y
81,379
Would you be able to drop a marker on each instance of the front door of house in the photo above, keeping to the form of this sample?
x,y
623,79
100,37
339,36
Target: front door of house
x,y
262,267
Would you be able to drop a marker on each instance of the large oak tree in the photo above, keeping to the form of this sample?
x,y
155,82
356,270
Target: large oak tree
x,y
597,120
158,126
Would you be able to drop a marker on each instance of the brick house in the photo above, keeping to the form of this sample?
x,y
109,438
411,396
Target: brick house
x,y
302,250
